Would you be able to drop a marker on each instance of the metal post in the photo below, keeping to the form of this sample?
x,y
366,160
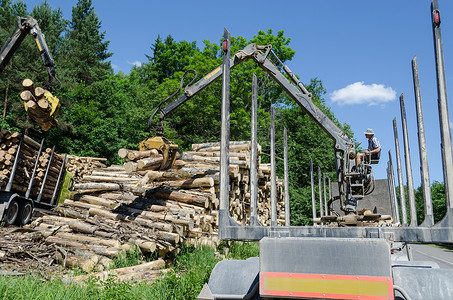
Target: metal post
x,y
330,194
392,199
407,156
399,169
424,169
224,213
35,167
41,191
325,193
313,201
9,185
393,189
254,154
285,157
447,155
60,177
273,175
321,211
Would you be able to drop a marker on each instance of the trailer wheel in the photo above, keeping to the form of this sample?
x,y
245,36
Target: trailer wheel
x,y
11,213
25,213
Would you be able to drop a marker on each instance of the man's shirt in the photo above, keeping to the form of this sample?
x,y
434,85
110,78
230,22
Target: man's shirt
x,y
373,143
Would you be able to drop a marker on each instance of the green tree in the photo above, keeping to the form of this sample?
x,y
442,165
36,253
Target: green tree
x,y
86,45
438,199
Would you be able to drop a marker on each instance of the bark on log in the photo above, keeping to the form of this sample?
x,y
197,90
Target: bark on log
x,y
148,163
180,197
97,186
135,155
140,269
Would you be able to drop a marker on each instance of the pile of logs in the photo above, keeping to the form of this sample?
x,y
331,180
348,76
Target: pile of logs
x,y
206,157
38,106
121,207
9,146
79,166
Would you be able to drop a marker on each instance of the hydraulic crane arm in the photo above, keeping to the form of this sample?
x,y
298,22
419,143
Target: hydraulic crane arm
x,y
24,27
343,143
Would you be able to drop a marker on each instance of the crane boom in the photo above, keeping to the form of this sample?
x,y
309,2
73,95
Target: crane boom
x,y
344,145
24,27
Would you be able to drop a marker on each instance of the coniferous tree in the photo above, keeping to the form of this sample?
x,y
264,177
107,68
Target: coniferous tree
x,y
87,46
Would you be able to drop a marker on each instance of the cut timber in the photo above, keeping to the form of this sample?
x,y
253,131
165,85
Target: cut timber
x,y
98,201
88,239
146,246
26,96
180,197
140,269
44,105
173,174
191,183
106,214
134,155
109,179
147,163
28,85
109,252
39,92
213,160
96,186
130,167
122,153
196,147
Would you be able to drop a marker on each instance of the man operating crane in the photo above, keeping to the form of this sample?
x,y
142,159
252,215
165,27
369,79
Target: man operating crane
x,y
373,151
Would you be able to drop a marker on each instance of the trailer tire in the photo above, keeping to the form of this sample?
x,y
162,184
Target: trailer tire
x,y
12,213
25,213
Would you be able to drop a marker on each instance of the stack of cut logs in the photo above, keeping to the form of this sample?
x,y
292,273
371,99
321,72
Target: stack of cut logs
x,y
79,166
136,204
206,158
39,108
9,144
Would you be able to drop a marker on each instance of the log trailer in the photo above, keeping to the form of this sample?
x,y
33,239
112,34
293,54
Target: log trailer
x,y
24,27
317,262
22,192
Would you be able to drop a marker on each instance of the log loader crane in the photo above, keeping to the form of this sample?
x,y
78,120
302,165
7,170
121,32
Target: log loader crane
x,y
352,185
25,27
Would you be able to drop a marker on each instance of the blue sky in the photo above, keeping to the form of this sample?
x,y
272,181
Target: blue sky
x,y
360,50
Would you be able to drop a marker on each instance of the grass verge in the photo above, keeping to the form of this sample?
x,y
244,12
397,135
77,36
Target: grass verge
x,y
190,270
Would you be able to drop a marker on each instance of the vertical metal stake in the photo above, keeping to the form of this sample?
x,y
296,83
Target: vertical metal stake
x,y
285,158
330,194
399,169
325,194
313,201
447,154
424,169
321,211
407,156
254,154
224,214
393,189
273,175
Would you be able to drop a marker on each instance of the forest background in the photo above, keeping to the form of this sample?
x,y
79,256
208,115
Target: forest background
x,y
102,112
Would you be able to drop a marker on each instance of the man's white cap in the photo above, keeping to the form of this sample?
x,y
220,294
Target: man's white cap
x,y
369,131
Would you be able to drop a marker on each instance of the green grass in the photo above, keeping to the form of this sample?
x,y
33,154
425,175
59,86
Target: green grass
x,y
190,270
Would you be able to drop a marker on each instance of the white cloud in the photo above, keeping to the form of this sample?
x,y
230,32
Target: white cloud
x,y
359,93
135,63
